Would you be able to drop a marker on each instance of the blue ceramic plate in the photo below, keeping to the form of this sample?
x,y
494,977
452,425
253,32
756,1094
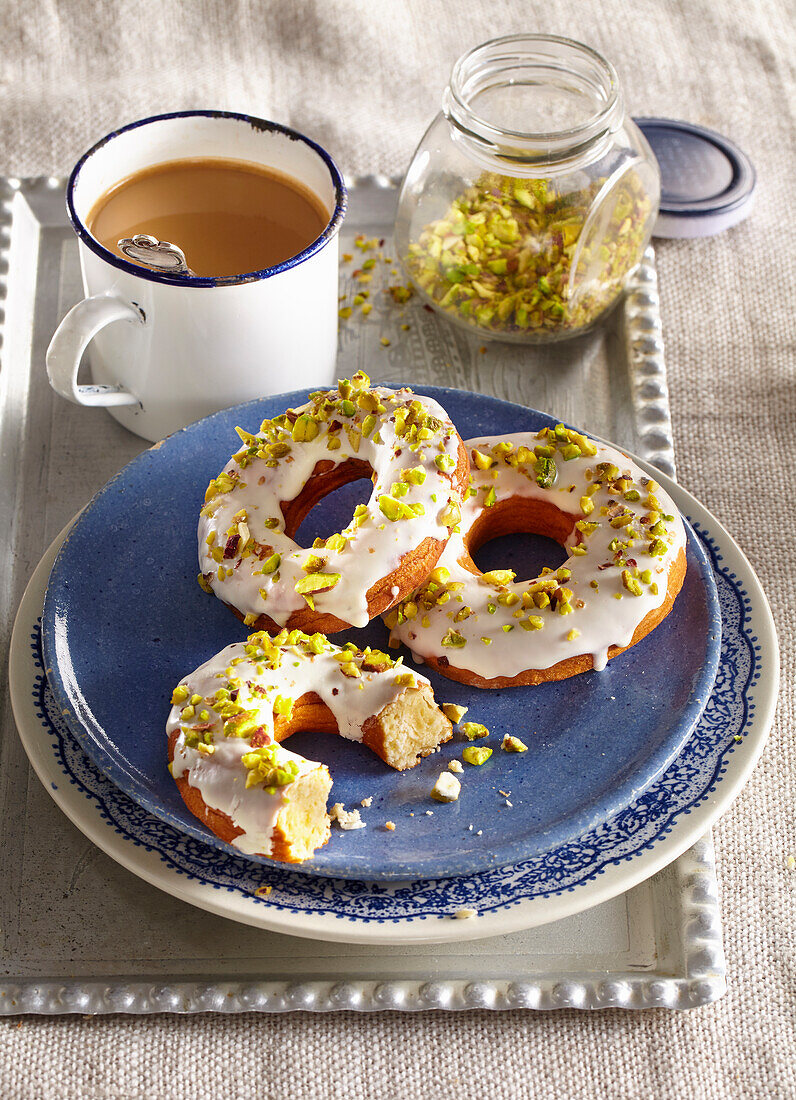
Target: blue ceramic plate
x,y
124,620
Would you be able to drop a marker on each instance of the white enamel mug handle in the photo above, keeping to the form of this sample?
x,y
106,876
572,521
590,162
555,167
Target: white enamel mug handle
x,y
72,337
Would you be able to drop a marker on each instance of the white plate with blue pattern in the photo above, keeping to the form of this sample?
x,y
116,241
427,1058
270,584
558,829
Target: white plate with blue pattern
x,y
663,822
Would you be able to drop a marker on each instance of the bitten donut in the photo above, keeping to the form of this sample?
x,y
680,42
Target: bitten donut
x,y
411,451
230,715
626,564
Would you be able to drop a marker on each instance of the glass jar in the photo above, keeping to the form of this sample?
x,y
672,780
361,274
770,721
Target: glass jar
x,y
531,196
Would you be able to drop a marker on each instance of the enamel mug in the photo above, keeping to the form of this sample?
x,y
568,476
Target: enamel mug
x,y
166,349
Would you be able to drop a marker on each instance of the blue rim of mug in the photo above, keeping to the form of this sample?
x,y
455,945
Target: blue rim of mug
x,y
332,226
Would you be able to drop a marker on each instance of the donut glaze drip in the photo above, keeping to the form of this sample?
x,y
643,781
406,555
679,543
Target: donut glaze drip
x,y
623,535
223,715
407,443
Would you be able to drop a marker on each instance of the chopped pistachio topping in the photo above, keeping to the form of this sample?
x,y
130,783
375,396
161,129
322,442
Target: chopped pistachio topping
x,y
224,483
498,577
473,730
283,706
270,565
317,582
242,724
305,429
395,509
415,476
454,712
482,461
476,754
264,769
513,744
546,472
631,583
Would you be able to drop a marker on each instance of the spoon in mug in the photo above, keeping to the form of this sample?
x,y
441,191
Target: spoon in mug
x,y
160,255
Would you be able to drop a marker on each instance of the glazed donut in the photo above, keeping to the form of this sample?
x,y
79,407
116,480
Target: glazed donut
x,y
626,564
418,464
230,715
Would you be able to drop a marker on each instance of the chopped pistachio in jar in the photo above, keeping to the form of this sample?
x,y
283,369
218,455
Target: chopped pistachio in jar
x,y
501,258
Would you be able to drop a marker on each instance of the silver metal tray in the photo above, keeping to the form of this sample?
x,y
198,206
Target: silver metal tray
x,y
78,933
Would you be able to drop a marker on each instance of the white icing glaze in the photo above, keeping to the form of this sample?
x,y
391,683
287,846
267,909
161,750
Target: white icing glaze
x,y
601,621
374,545
245,668
221,779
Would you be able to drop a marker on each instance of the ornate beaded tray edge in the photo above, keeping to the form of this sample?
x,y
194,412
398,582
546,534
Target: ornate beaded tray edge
x,y
704,981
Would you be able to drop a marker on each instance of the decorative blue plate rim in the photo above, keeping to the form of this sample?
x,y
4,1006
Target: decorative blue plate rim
x,y
419,855
696,789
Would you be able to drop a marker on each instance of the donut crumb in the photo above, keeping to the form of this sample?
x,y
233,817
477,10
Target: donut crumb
x,y
346,819
446,788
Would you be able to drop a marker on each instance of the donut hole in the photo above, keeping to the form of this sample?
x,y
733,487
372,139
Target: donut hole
x,y
322,742
521,535
326,503
526,554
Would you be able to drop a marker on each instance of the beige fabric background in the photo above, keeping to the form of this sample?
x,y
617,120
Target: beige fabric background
x,y
365,78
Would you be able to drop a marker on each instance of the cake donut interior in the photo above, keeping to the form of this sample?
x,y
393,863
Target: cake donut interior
x,y
230,717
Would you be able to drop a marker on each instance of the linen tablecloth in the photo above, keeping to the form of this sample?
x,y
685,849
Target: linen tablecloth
x,y
365,78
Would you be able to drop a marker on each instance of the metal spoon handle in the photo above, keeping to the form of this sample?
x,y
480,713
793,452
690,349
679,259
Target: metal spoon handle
x,y
160,255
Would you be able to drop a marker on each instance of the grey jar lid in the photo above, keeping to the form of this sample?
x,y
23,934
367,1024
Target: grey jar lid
x,y
707,182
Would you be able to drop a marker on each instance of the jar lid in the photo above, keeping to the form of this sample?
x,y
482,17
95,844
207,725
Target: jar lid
x,y
707,182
